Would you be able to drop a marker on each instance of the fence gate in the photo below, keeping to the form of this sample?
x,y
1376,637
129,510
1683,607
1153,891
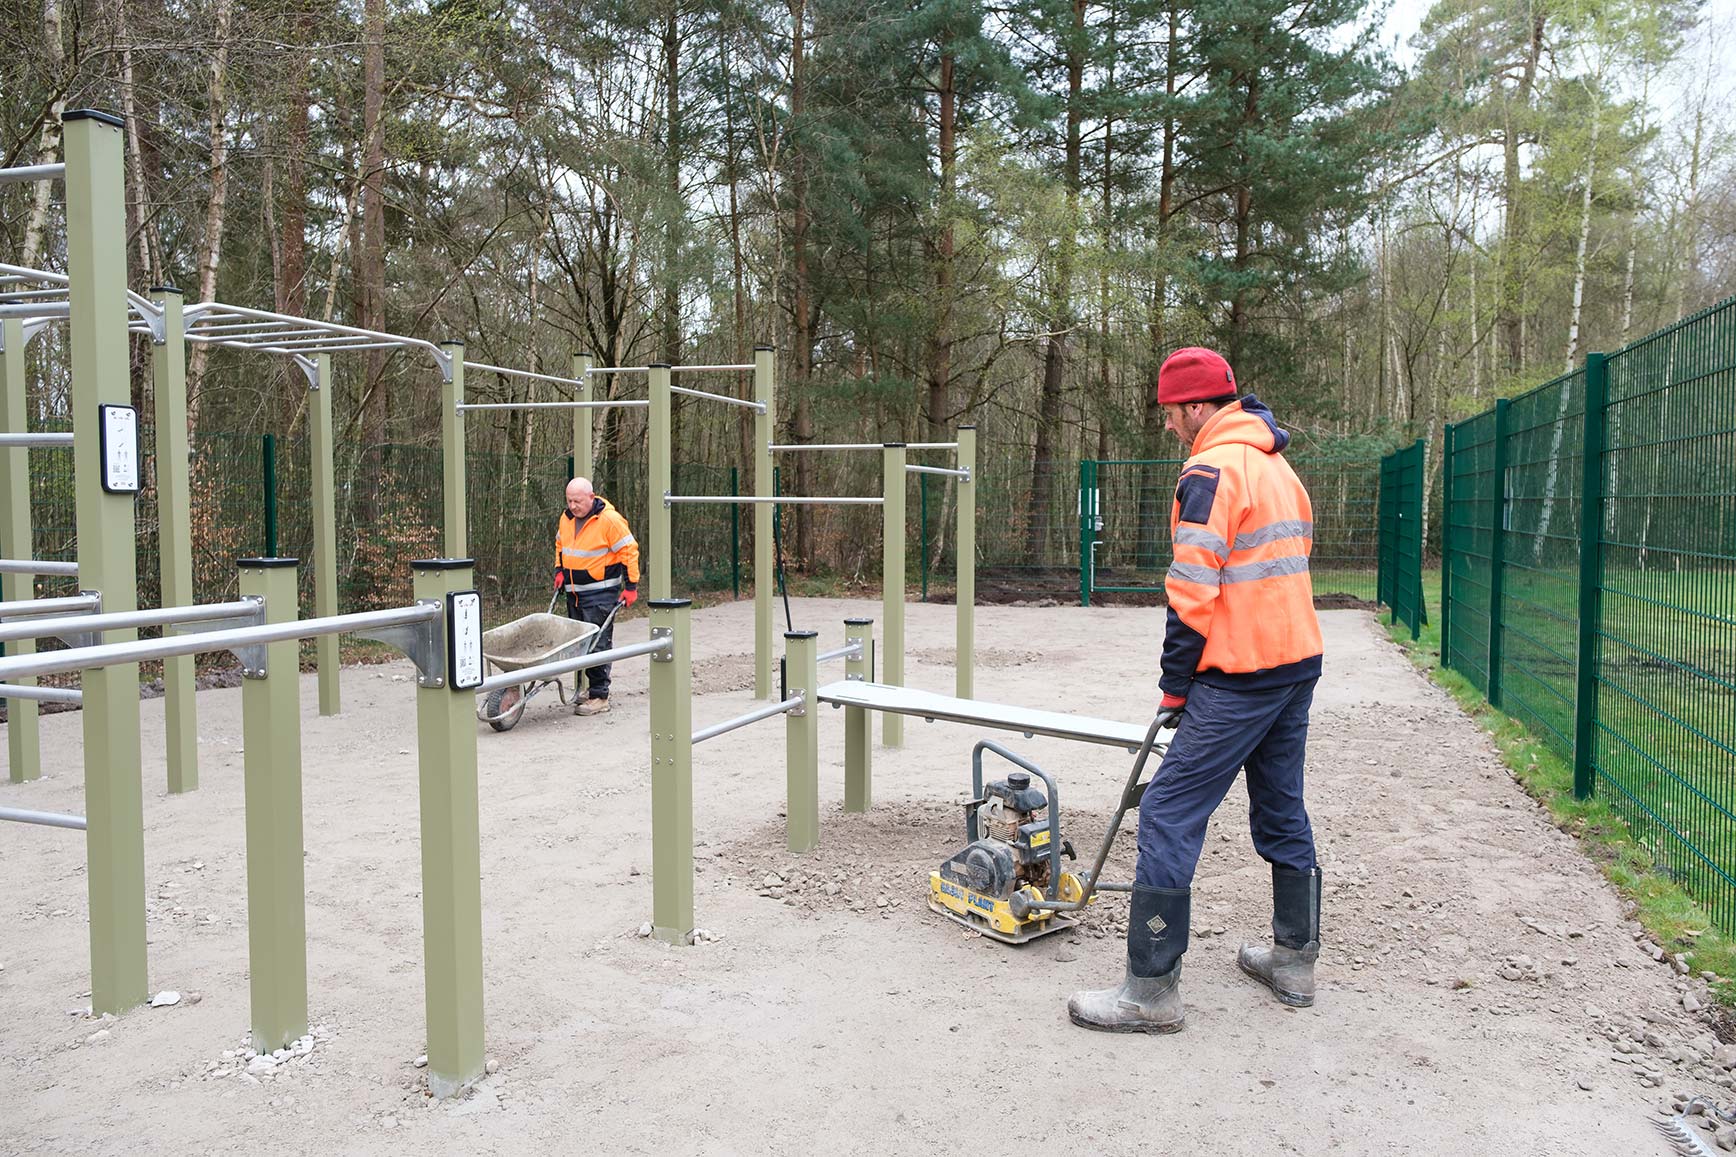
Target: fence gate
x,y
1399,580
1124,525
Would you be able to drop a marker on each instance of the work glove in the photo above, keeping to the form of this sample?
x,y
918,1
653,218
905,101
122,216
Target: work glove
x,y
1169,712
560,580
629,597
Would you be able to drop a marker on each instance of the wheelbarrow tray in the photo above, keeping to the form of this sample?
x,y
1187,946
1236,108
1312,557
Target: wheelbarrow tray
x,y
534,639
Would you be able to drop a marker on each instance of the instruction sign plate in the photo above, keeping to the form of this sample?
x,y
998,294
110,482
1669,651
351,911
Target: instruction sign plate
x,y
464,640
120,448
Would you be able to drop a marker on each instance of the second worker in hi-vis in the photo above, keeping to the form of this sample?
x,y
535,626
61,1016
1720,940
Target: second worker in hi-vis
x,y
1241,656
597,565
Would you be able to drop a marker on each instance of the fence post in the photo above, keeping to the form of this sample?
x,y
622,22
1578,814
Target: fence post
x,y
764,573
451,852
1447,467
1590,575
672,774
580,466
964,569
107,546
23,737
1419,611
1087,529
1497,549
1384,534
802,743
892,585
323,484
268,483
858,721
271,774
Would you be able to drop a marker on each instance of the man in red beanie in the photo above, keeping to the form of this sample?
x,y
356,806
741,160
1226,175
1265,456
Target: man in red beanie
x,y
1241,656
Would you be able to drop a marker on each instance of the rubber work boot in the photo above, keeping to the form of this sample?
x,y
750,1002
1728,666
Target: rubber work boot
x,y
1149,996
591,707
1287,968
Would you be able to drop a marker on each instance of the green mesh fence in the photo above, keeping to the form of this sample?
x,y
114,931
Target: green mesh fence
x,y
1598,605
1403,479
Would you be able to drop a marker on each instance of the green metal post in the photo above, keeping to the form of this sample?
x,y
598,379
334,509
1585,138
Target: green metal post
x,y
1087,526
660,482
735,533
271,783
892,585
268,472
672,774
451,856
325,527
1497,550
96,251
764,570
452,443
175,533
582,462
1590,575
1419,613
23,734
922,531
858,721
964,603
802,742
1448,465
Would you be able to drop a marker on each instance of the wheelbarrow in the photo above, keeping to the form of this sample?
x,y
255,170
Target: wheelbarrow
x,y
528,642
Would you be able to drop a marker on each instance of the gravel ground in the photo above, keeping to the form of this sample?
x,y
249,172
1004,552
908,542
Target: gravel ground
x,y
1481,988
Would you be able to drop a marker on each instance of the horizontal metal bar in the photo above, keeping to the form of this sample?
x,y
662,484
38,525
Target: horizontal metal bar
x,y
753,716
522,374
143,650
714,369
65,604
626,402
33,173
746,403
37,628
947,470
37,566
19,815
41,694
853,651
566,666
785,501
829,446
931,445
930,706
219,311
619,370
35,439
37,309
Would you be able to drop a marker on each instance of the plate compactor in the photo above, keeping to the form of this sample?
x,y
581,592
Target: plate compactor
x,y
1007,882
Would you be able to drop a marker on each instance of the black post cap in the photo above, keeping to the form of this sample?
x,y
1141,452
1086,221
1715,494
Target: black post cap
x,y
267,563
668,604
801,634
92,114
442,563
858,622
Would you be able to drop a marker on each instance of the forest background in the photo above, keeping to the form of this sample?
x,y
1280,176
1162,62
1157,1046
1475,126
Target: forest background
x,y
937,211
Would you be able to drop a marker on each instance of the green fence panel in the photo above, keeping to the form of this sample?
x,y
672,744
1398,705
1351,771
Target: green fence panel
x,y
1469,510
1403,480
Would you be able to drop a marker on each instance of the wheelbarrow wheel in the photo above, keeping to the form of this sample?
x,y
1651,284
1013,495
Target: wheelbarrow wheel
x,y
504,708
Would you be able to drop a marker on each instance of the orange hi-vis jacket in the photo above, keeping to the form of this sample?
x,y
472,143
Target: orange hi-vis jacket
x,y
598,553
1241,603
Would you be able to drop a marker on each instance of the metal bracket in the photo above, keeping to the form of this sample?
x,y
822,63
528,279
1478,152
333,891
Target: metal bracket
x,y
802,707
250,655
83,638
421,643
667,654
667,495
309,369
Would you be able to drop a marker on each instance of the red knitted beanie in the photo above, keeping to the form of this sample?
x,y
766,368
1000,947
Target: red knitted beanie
x,y
1195,375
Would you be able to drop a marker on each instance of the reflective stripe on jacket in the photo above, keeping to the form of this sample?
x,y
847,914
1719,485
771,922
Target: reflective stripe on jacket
x,y
598,552
1241,602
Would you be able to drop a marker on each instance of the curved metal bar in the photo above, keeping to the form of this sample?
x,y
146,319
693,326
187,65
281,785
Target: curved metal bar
x,y
522,374
947,470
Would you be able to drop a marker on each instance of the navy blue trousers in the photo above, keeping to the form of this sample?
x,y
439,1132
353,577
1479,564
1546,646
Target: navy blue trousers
x,y
1221,733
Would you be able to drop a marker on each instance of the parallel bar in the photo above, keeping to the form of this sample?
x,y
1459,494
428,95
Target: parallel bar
x,y
743,402
26,608
946,470
625,403
764,575
741,721
794,447
32,693
522,373
19,815
775,501
34,440
715,369
207,311
25,310
42,628
144,650
565,666
37,566
24,173
619,370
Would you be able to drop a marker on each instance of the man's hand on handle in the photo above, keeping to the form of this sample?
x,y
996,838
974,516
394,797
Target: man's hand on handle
x,y
560,579
1169,712
629,597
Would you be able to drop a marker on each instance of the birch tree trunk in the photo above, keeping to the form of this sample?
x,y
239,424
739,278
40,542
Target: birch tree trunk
x,y
48,145
211,250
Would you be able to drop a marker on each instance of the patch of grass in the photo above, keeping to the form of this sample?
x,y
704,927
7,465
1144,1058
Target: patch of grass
x,y
1672,917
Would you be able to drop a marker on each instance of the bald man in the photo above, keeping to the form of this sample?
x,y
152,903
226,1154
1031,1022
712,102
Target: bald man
x,y
597,565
